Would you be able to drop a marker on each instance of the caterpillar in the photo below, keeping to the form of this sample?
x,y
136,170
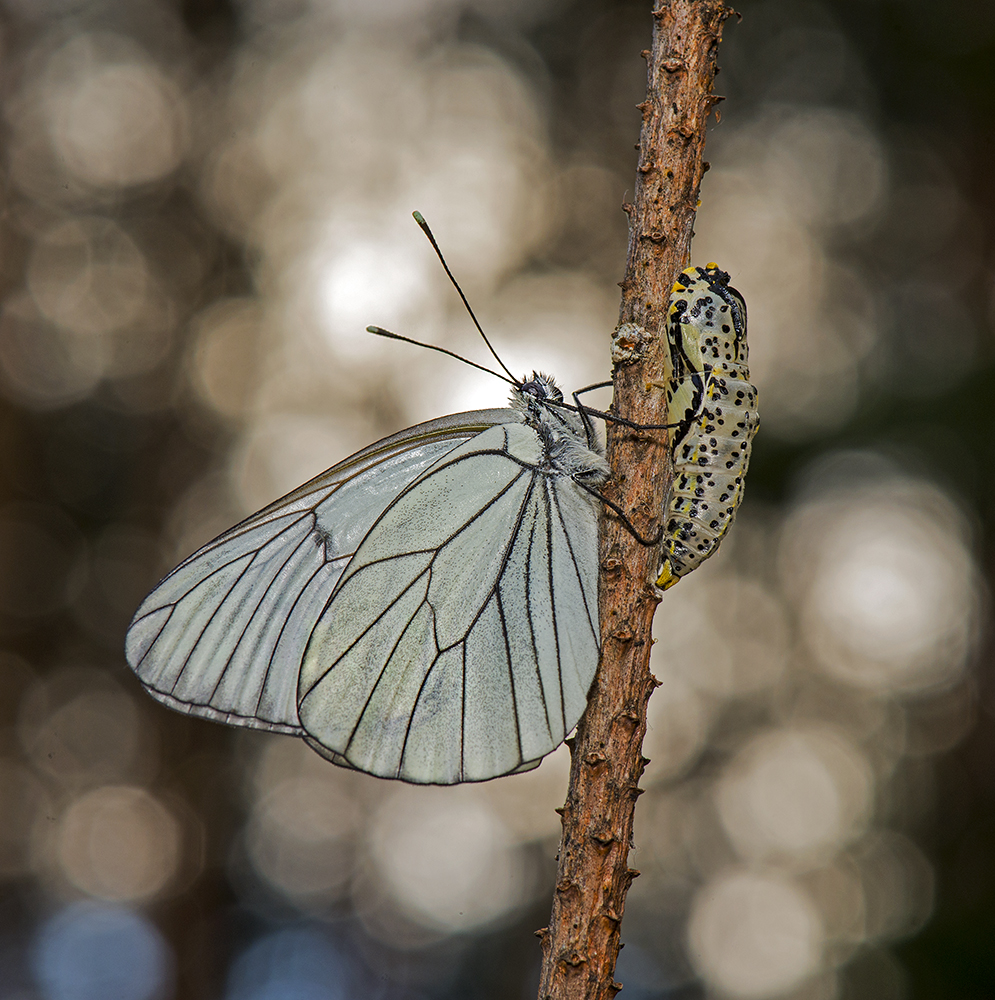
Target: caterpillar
x,y
713,409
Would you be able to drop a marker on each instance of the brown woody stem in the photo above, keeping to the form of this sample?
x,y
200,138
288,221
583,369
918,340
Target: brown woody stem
x,y
581,944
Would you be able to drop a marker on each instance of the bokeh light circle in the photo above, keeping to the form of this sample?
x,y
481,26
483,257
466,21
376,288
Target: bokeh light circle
x,y
92,951
294,962
886,584
795,795
119,843
754,934
114,118
447,861
300,836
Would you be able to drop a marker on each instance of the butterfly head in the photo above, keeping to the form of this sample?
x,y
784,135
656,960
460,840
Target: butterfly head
x,y
532,397
542,388
568,448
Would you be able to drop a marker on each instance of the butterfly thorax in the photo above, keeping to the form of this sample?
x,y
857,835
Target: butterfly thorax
x,y
567,450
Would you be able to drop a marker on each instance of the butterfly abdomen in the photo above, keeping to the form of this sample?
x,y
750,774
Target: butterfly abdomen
x,y
713,408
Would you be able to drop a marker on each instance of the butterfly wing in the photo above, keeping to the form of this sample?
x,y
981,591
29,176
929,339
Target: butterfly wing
x,y
222,636
462,639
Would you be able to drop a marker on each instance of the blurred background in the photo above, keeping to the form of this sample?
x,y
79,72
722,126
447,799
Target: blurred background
x,y
205,203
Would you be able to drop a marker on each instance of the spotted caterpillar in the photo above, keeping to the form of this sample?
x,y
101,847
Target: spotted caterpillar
x,y
713,410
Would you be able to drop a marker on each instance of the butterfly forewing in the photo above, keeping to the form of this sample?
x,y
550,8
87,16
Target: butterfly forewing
x,y
223,635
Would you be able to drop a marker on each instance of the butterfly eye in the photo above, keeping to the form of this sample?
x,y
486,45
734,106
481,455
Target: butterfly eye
x,y
541,388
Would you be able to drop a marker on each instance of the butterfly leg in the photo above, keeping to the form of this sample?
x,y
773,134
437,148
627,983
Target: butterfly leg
x,y
626,523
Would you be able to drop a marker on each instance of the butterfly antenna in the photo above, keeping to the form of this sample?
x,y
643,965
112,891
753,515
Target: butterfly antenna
x,y
381,332
420,219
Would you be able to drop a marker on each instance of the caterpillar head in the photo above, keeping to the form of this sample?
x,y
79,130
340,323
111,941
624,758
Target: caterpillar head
x,y
706,324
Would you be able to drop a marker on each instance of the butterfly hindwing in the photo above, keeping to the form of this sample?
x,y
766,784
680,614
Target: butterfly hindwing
x,y
460,642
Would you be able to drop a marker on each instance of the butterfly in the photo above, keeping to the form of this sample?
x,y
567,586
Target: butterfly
x,y
713,409
425,610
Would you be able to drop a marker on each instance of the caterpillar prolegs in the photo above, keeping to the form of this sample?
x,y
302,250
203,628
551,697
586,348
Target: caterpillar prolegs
x,y
713,409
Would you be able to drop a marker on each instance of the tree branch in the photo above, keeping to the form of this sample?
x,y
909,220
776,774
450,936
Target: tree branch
x,y
581,944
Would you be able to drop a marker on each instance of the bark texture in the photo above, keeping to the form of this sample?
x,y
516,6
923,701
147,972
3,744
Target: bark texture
x,y
581,944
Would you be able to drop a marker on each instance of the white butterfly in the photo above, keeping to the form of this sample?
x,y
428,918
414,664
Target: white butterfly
x,y
425,610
